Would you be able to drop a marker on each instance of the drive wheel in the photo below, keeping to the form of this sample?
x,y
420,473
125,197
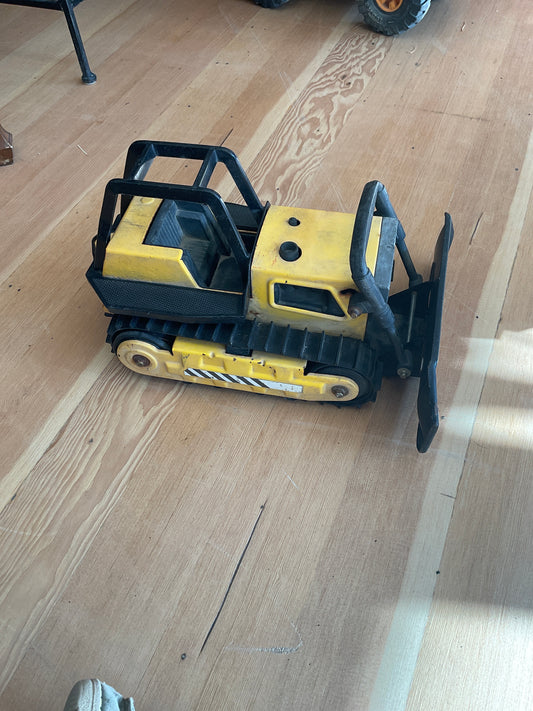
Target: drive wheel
x,y
390,17
363,381
143,352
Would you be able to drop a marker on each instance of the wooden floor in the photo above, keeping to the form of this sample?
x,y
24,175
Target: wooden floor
x,y
207,549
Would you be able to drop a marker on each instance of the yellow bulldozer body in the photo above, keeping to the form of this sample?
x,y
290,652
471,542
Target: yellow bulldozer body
x,y
319,281
285,301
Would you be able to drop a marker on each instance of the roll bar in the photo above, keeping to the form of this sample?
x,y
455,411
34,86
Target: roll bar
x,y
375,202
141,154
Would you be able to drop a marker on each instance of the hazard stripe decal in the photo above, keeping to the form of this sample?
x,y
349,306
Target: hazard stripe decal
x,y
240,380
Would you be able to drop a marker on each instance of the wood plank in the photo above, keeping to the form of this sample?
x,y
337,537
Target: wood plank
x,y
215,550
411,616
19,25
480,625
41,50
98,141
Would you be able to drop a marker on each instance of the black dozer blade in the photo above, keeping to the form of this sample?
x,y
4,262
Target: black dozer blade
x,y
428,412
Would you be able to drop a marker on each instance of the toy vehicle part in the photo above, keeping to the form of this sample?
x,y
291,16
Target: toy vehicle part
x,y
390,17
287,301
271,3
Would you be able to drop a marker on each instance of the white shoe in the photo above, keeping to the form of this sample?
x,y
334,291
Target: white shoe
x,y
94,695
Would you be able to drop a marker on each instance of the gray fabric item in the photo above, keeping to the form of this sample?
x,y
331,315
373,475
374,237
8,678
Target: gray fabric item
x,y
95,695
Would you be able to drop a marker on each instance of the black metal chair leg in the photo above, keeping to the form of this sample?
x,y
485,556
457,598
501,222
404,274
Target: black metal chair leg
x,y
87,76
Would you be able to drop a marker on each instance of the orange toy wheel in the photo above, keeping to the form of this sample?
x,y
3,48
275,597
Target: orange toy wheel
x,y
390,17
389,5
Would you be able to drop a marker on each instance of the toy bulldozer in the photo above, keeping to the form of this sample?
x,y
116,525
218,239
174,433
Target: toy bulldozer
x,y
390,17
275,300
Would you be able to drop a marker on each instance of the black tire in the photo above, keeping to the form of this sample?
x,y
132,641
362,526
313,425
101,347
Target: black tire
x,y
390,17
364,383
271,3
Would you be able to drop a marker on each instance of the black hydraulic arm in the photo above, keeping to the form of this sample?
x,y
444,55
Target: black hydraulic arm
x,y
375,201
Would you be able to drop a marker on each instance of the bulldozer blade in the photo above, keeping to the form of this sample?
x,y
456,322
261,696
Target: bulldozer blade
x,y
428,412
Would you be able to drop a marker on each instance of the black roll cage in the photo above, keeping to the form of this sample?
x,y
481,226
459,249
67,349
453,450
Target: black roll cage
x,y
140,157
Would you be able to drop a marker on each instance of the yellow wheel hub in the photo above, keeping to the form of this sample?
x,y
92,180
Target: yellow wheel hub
x,y
142,357
389,5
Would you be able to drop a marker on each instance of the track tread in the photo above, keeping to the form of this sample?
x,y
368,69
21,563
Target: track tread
x,y
243,337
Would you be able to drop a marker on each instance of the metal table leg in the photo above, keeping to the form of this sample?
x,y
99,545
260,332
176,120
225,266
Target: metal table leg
x,y
67,7
87,76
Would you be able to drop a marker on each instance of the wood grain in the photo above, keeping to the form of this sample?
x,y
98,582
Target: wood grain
x,y
218,550
482,605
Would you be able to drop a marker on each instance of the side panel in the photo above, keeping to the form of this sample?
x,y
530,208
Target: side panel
x,y
166,301
127,257
209,364
146,279
322,242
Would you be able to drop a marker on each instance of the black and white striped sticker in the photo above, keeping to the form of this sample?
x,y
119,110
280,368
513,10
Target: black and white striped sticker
x,y
240,380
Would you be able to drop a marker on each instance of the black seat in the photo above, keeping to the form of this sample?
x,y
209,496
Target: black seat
x,y
190,227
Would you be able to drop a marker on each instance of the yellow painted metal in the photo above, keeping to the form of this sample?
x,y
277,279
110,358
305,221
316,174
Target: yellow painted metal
x,y
324,239
127,257
208,363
